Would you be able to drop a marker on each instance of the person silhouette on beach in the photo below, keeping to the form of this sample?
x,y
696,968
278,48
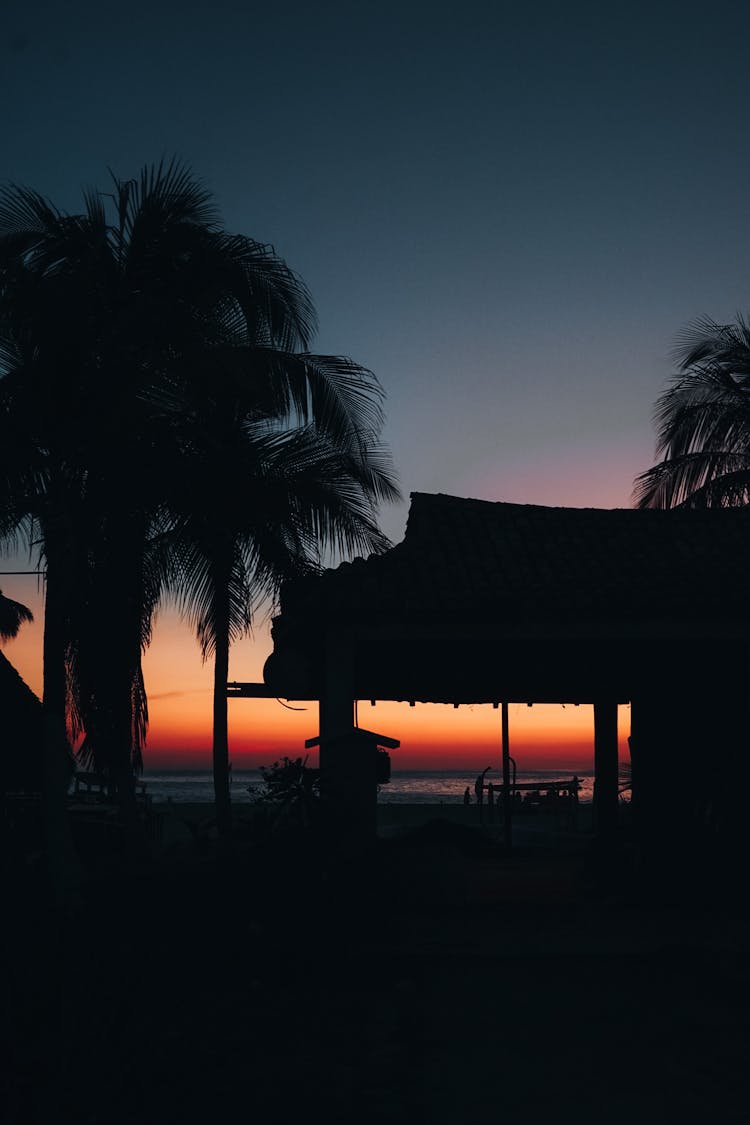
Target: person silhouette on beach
x,y
479,788
491,802
467,796
572,803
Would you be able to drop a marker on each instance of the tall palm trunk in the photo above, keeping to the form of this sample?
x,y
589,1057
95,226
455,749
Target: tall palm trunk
x,y
118,600
62,861
221,578
108,661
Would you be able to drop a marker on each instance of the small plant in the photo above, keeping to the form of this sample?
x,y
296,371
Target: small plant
x,y
290,791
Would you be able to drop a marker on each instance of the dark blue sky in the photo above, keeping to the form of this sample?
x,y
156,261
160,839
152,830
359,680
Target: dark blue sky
x,y
507,215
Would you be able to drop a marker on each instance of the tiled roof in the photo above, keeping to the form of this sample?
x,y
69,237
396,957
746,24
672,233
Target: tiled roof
x,y
476,560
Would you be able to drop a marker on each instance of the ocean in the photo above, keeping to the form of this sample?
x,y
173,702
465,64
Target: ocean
x,y
406,787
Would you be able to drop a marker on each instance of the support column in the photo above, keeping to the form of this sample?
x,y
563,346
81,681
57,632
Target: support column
x,y
507,802
348,785
606,771
336,706
689,751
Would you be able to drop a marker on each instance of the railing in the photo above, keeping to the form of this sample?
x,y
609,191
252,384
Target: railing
x,y
89,786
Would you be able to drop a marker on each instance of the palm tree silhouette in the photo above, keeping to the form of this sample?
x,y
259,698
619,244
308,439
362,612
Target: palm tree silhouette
x,y
262,503
133,337
703,422
93,315
703,435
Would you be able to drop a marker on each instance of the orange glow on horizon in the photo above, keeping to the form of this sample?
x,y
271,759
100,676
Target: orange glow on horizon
x,y
432,736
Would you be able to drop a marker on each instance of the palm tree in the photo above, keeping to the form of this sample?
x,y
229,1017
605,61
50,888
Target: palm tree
x,y
703,422
293,494
95,316
72,385
114,331
703,437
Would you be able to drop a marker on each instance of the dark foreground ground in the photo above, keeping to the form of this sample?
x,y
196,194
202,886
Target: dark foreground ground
x,y
432,979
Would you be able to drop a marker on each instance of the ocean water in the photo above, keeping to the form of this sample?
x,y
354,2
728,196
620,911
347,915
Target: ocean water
x,y
406,787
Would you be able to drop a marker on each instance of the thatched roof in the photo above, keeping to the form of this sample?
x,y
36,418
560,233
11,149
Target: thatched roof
x,y
475,560
484,601
22,732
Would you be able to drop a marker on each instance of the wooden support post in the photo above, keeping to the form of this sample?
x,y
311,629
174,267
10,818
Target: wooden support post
x,y
606,771
336,712
347,763
507,802
336,706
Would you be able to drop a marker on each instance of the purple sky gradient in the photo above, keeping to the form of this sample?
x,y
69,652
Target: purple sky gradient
x,y
507,216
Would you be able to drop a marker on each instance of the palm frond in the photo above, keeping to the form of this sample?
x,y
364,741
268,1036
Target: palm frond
x,y
26,212
344,399
95,209
703,421
200,584
277,304
724,346
168,191
12,616
694,480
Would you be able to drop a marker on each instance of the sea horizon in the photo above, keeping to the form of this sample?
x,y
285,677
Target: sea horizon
x,y
419,786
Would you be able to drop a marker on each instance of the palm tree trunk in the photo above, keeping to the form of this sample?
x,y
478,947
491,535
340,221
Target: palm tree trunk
x,y
63,864
117,599
221,738
220,716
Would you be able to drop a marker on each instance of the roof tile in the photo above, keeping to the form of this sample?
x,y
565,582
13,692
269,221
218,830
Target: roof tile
x,y
483,560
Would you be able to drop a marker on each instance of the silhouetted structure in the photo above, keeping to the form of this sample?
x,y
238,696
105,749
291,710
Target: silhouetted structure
x,y
479,788
25,824
487,602
234,362
22,767
350,772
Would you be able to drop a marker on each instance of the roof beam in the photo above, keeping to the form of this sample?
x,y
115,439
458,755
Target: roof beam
x,y
241,690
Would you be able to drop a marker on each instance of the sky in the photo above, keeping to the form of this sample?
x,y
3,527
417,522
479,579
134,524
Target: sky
x,y
508,213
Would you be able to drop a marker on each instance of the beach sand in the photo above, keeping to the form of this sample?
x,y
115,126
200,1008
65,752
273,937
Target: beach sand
x,y
435,980
181,820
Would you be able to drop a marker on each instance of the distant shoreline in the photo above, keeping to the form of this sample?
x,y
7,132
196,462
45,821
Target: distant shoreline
x,y
458,771
435,788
